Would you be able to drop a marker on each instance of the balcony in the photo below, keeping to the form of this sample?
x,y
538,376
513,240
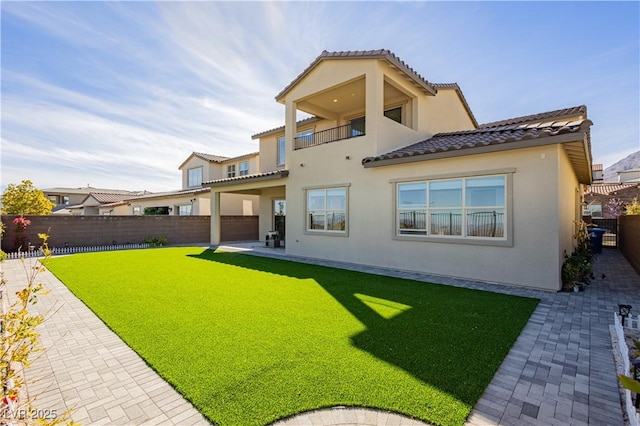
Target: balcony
x,y
348,131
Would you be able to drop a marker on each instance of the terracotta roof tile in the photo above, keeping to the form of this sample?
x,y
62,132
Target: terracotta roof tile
x,y
596,167
104,197
280,129
505,134
549,116
274,174
210,157
608,188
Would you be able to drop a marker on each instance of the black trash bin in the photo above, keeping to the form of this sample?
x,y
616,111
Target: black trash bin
x,y
595,235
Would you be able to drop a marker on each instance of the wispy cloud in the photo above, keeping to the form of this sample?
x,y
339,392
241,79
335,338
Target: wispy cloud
x,y
120,93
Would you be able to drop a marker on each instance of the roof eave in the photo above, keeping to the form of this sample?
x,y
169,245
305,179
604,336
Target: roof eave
x,y
577,163
378,55
258,178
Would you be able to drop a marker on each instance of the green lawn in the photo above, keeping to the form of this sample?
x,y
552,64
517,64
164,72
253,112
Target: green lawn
x,y
249,340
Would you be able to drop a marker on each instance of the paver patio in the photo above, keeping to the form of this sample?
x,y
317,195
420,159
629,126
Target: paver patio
x,y
560,370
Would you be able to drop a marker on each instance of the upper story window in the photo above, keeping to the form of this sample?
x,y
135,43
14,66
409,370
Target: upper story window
x,y
194,177
596,210
394,114
281,151
357,126
244,168
281,155
327,210
231,170
472,207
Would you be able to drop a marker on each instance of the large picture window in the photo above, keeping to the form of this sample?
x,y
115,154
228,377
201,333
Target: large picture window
x,y
327,210
194,177
472,207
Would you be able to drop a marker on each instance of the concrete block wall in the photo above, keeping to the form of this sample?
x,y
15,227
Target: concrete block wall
x,y
78,231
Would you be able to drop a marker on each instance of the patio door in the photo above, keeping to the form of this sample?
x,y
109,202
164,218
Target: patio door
x,y
279,217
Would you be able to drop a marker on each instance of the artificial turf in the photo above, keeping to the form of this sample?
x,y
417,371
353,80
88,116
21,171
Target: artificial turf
x,y
250,340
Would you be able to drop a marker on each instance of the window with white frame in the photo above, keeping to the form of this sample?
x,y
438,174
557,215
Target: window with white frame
x,y
596,210
281,151
137,210
244,168
231,171
194,177
472,207
327,210
184,210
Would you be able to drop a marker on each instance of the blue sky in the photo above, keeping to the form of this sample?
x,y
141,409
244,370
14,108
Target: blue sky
x,y
117,95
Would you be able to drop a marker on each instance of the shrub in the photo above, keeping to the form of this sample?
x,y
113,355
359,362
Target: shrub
x,y
156,241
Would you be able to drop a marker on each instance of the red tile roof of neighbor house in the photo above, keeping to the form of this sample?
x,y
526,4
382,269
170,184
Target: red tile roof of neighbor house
x,y
609,188
382,54
104,197
485,136
596,167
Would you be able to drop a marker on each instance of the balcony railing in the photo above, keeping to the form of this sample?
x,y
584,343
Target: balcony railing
x,y
351,130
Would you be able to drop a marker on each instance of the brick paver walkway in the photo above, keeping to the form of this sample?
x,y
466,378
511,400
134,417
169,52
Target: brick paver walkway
x,y
560,370
88,369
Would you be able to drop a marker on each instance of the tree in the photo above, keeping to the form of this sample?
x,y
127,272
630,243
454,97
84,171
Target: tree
x,y
25,199
633,208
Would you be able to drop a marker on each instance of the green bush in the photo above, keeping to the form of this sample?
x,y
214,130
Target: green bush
x,y
156,241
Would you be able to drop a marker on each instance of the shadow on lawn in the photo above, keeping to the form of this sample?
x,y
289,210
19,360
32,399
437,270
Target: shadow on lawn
x,y
451,338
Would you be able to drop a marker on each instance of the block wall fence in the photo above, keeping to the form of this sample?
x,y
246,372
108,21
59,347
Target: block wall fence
x,y
81,231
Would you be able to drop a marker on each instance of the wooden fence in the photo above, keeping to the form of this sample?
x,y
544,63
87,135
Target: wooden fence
x,y
629,239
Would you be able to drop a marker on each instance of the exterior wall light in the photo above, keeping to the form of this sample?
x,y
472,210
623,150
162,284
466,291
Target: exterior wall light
x,y
624,311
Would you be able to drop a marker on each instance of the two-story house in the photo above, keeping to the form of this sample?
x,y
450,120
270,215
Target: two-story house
x,y
193,199
85,200
394,171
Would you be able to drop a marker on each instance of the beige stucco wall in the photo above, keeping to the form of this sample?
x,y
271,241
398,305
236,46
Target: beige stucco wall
x,y
533,260
569,202
210,171
231,204
425,115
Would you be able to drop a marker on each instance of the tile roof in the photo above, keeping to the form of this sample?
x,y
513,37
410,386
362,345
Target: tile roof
x,y
280,129
608,188
557,115
105,197
87,190
274,174
169,194
500,135
365,54
210,157
596,167
462,98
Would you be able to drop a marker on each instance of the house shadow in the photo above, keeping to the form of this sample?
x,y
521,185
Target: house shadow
x,y
447,337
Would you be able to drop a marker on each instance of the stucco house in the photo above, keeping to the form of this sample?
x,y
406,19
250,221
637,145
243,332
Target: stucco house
x,y
85,200
393,170
192,199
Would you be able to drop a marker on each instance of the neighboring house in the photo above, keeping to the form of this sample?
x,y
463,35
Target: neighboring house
x,y
74,200
394,171
600,194
193,199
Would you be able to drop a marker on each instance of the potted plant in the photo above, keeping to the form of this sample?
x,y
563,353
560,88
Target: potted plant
x,y
576,268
